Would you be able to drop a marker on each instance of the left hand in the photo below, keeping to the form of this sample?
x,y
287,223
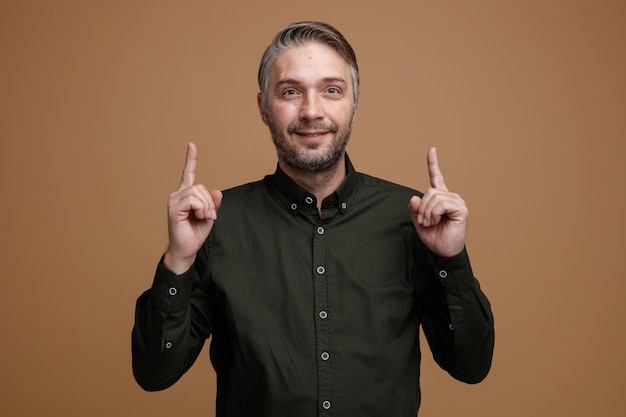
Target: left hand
x,y
440,217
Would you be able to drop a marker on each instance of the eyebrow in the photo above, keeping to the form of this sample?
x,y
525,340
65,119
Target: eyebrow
x,y
325,80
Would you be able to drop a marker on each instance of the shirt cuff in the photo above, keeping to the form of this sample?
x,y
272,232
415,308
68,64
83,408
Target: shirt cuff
x,y
455,273
171,292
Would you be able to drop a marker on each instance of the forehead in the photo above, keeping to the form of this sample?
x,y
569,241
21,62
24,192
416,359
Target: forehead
x,y
310,61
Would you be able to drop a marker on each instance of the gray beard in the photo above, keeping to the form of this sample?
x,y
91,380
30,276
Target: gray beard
x,y
290,154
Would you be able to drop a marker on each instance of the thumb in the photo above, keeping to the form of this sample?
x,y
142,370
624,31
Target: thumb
x,y
414,204
217,196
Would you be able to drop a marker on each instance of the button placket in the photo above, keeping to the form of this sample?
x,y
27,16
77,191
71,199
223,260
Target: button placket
x,y
321,280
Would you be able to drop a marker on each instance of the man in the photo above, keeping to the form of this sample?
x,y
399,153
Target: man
x,y
312,283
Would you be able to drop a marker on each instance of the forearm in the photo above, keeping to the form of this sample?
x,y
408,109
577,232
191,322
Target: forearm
x,y
166,339
460,327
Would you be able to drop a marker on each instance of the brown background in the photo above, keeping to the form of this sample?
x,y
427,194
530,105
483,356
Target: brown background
x,y
526,101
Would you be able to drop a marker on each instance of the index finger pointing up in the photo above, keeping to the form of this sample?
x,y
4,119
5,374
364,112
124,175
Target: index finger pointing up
x,y
436,177
189,172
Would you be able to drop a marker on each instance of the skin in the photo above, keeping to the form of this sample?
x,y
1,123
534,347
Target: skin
x,y
310,113
440,217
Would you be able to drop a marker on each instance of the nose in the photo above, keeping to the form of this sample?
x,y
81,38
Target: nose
x,y
312,108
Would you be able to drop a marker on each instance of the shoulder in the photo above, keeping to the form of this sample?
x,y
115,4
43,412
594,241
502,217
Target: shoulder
x,y
245,194
244,188
369,183
242,205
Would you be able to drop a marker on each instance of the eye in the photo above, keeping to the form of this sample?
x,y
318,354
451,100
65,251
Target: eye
x,y
290,92
333,90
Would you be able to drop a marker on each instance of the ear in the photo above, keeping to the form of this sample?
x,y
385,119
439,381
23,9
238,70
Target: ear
x,y
355,107
259,102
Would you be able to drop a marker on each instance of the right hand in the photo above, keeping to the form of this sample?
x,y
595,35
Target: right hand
x,y
191,212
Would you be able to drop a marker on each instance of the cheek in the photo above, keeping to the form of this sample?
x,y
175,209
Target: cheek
x,y
283,115
341,113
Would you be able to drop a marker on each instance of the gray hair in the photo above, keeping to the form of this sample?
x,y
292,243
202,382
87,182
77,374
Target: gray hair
x,y
301,33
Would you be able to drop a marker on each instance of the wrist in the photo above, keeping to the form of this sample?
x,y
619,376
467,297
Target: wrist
x,y
177,264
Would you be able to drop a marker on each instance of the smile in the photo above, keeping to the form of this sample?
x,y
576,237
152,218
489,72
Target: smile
x,y
312,134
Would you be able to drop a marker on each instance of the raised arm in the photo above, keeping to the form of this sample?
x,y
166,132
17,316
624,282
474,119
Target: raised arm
x,y
455,313
173,317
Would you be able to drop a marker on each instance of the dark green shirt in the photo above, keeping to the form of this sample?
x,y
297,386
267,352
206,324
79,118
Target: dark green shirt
x,y
314,316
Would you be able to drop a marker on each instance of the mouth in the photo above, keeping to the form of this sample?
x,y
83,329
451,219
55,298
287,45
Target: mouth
x,y
312,134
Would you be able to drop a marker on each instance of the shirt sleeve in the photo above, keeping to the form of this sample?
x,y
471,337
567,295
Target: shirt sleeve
x,y
172,322
456,317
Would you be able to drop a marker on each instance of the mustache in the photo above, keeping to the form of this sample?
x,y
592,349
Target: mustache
x,y
312,126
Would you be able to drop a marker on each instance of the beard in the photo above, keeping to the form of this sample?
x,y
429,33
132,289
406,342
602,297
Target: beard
x,y
298,158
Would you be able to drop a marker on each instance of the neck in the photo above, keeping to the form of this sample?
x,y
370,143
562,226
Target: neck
x,y
320,183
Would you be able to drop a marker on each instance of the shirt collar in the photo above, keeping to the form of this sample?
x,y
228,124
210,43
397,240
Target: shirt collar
x,y
294,197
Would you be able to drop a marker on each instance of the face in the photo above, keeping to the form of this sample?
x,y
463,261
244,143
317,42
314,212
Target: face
x,y
310,107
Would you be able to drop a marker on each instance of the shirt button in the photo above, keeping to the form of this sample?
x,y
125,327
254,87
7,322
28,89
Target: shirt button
x,y
443,273
168,345
172,291
309,200
323,314
326,405
321,270
294,206
451,326
344,205
325,356
320,230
